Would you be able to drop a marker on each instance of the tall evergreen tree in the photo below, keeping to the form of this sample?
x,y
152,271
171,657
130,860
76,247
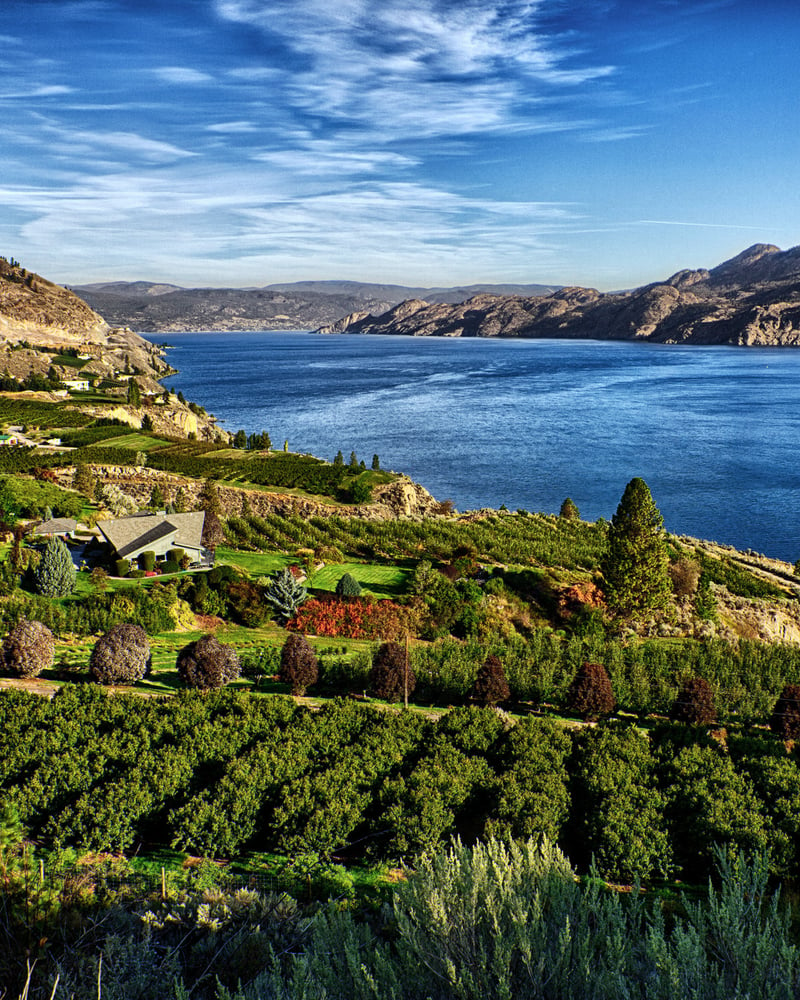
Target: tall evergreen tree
x,y
634,569
55,574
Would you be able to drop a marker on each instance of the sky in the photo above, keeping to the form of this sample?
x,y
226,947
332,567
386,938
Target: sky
x,y
418,142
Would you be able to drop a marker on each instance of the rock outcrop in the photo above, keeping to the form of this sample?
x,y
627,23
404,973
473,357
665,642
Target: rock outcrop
x,y
751,300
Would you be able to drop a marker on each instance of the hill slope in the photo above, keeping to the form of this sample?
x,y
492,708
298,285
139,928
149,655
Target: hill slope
x,y
301,305
752,299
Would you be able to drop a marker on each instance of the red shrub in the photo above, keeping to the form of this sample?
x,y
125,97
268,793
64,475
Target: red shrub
x,y
357,618
590,694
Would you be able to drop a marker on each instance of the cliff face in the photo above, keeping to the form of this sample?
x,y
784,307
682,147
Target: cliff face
x,y
752,299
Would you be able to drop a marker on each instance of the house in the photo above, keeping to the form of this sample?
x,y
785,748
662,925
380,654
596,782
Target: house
x,y
76,384
63,527
129,537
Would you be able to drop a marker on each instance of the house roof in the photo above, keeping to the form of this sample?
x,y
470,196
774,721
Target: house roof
x,y
56,526
130,534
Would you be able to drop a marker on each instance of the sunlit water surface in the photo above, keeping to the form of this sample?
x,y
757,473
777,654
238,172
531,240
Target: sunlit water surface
x,y
525,423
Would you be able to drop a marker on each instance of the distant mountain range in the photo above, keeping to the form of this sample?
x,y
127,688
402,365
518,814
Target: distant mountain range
x,y
303,305
752,299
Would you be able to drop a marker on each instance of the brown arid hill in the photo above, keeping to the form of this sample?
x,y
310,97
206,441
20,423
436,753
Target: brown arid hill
x,y
750,300
302,305
39,319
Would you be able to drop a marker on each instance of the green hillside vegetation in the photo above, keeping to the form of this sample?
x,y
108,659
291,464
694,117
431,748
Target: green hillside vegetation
x,y
679,757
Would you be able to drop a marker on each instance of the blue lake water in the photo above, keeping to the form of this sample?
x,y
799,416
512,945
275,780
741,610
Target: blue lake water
x,y
525,423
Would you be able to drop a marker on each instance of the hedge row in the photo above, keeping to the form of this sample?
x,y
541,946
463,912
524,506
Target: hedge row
x,y
226,773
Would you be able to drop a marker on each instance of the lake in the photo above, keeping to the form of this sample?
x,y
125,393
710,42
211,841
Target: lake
x,y
526,423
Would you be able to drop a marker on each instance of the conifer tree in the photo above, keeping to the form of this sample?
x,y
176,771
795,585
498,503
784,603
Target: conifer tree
x,y
339,460
569,510
636,580
55,574
376,463
285,594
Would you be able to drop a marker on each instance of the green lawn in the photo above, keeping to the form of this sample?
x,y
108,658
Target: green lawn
x,y
255,563
383,581
136,442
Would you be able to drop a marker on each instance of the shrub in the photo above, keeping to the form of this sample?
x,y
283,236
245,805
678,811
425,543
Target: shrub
x,y
28,649
695,703
348,586
168,566
785,720
55,574
685,576
121,656
207,663
389,677
590,693
491,685
298,664
147,561
122,567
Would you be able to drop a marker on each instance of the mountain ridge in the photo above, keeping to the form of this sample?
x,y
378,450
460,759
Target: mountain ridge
x,y
752,299
159,307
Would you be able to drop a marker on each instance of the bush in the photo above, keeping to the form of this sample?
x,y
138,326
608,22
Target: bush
x,y
590,693
685,576
122,567
695,703
147,561
348,586
168,566
785,720
298,664
28,649
207,663
491,685
389,677
55,574
121,656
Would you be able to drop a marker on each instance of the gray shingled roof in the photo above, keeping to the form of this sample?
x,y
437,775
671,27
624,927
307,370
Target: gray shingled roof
x,y
56,526
129,534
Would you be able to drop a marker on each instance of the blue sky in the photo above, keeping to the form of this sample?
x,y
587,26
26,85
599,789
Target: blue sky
x,y
433,142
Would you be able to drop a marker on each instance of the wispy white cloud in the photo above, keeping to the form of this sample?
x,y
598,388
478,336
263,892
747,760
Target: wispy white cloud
x,y
181,75
232,127
52,90
420,68
695,225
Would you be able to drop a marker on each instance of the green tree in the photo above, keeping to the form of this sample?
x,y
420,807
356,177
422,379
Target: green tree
x,y
348,586
134,396
208,499
55,574
147,422
376,463
339,460
569,510
635,565
285,594
353,460
156,497
83,480
180,502
240,439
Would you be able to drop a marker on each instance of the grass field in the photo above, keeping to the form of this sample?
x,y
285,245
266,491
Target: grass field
x,y
255,563
136,442
383,581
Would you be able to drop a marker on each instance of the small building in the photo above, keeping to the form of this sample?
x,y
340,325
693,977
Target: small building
x,y
76,384
61,527
129,537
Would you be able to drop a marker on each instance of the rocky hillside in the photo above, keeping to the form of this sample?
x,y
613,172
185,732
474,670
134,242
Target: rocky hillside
x,y
753,299
46,329
303,305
